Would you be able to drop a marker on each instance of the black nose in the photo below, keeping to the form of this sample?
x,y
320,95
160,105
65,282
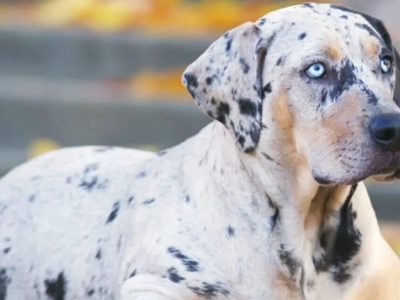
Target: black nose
x,y
385,131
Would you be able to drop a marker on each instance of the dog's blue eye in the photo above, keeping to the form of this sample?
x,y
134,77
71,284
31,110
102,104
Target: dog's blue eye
x,y
386,65
316,70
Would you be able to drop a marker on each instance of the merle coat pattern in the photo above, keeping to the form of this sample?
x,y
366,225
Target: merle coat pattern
x,y
266,202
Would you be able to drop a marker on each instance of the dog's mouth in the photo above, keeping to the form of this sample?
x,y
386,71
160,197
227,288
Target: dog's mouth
x,y
386,168
389,174
382,167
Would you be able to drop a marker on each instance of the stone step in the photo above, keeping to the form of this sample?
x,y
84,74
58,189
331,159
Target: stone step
x,y
80,54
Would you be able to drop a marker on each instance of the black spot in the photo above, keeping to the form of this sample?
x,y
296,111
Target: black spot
x,y
187,198
191,265
322,102
343,79
340,244
114,213
323,96
244,65
4,282
302,36
288,260
347,242
174,276
130,199
309,5
56,288
279,61
267,88
209,80
372,98
31,198
89,181
228,45
276,213
267,157
191,80
231,231
208,290
261,53
345,17
191,83
223,110
369,29
98,254
133,273
247,107
254,133
141,175
241,140
90,292
261,22
149,201
6,250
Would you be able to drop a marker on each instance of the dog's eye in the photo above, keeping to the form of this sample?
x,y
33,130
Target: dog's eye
x,y
386,64
316,70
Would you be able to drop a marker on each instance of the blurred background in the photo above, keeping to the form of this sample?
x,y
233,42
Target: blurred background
x,y
107,72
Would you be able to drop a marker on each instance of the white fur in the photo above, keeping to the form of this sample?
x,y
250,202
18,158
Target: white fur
x,y
203,220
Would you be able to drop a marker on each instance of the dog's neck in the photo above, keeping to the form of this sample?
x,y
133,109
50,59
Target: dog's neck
x,y
304,216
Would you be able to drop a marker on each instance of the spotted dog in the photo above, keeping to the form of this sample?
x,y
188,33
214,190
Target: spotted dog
x,y
266,202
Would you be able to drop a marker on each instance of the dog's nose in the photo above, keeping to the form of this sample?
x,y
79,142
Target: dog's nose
x,y
385,131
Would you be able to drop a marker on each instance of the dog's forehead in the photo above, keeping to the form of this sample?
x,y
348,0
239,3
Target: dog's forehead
x,y
324,22
334,30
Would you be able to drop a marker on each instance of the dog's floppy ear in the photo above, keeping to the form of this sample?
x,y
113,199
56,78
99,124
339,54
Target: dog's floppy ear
x,y
380,27
397,83
226,83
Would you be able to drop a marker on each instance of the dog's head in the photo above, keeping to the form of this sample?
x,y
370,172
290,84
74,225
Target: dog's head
x,y
320,79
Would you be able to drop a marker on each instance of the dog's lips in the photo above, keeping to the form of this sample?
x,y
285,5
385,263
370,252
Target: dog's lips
x,y
390,169
383,167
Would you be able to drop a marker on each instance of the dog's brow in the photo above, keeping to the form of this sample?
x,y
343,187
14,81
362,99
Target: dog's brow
x,y
385,51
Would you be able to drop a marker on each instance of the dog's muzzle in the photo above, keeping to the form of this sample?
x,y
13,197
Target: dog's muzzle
x,y
385,131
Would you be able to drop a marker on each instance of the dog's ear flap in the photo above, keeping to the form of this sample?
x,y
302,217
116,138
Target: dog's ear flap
x,y
226,83
397,82
381,29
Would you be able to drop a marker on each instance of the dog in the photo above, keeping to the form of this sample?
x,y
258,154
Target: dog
x,y
265,202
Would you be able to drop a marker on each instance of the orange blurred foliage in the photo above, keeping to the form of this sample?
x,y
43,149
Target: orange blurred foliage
x,y
178,17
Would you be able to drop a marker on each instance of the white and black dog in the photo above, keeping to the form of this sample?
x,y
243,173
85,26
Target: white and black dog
x,y
266,202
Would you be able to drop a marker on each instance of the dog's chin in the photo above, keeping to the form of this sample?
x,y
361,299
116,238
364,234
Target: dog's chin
x,y
385,175
347,179
327,181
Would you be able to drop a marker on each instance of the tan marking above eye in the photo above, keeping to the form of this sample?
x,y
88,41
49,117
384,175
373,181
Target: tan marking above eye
x,y
334,52
370,46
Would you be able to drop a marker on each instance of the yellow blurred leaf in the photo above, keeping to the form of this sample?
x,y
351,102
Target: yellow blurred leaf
x,y
63,12
41,146
169,16
166,84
